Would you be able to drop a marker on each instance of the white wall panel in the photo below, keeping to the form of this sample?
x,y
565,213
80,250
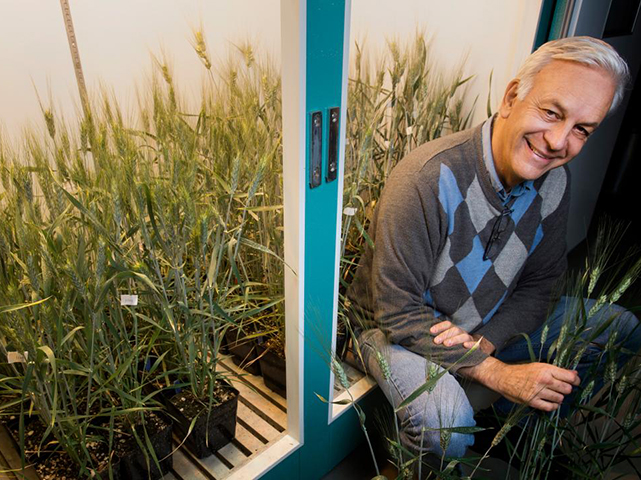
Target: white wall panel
x,y
488,35
115,39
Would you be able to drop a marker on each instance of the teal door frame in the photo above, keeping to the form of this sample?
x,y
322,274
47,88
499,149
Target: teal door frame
x,y
315,46
549,22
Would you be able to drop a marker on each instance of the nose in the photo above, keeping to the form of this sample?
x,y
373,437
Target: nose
x,y
556,136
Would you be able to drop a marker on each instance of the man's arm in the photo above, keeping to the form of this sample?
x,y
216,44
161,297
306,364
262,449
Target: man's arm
x,y
538,385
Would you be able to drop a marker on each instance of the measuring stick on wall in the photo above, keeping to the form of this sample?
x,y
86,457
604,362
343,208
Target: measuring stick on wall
x,y
75,55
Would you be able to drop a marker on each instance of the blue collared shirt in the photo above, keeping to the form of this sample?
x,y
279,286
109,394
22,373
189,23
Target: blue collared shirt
x,y
488,158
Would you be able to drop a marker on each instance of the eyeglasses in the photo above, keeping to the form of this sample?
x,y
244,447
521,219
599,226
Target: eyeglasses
x,y
500,224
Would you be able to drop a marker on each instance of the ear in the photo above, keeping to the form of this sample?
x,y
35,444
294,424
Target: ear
x,y
509,98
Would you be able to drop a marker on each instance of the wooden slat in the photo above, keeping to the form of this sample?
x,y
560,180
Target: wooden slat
x,y
12,457
249,396
231,453
257,423
213,464
248,440
184,467
256,383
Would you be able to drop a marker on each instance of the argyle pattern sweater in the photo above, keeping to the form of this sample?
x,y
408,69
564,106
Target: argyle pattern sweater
x,y
430,230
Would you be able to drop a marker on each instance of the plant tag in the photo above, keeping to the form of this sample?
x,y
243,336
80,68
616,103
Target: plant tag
x,y
349,211
16,357
409,130
129,300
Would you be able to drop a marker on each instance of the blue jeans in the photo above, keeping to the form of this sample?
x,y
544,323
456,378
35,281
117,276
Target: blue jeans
x,y
447,405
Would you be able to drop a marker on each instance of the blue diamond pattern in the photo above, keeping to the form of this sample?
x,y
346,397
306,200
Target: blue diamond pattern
x,y
473,268
495,308
429,301
538,236
522,203
449,195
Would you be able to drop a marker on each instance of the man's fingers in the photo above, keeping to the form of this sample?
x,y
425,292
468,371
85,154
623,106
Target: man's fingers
x,y
456,340
563,388
452,336
440,327
544,405
450,332
567,376
551,396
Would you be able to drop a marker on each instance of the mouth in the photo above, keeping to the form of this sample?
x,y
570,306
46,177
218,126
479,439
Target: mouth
x,y
538,153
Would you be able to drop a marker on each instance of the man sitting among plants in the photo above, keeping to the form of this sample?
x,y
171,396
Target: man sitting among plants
x,y
469,240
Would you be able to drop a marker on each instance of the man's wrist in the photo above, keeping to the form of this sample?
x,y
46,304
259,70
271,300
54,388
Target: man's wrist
x,y
485,346
486,373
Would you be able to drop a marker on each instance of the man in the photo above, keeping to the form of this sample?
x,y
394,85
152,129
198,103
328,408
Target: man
x,y
469,240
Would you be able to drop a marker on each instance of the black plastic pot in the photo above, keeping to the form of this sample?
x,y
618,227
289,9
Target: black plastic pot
x,y
134,459
274,370
103,474
244,350
212,430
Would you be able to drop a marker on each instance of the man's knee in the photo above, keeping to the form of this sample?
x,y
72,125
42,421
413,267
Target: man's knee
x,y
424,423
625,330
429,420
627,324
425,435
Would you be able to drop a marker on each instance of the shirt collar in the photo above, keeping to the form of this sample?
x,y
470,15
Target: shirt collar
x,y
488,159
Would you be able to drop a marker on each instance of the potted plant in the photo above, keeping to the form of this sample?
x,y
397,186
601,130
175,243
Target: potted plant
x,y
272,352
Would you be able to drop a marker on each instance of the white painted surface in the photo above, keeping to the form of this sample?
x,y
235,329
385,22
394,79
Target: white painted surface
x,y
267,459
116,39
294,46
357,391
340,180
487,35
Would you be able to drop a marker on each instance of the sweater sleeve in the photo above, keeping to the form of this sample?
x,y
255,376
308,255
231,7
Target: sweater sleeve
x,y
526,308
408,231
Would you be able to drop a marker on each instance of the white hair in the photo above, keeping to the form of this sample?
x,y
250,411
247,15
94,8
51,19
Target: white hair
x,y
585,50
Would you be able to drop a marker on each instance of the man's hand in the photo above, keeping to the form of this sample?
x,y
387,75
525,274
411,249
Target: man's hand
x,y
538,385
450,335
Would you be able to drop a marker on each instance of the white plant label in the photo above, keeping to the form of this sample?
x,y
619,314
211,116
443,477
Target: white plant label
x,y
349,211
409,130
131,300
16,357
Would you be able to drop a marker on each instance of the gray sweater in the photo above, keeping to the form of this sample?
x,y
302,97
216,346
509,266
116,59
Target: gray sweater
x,y
430,230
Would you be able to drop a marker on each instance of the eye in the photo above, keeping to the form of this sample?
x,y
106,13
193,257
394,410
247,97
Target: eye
x,y
551,114
582,131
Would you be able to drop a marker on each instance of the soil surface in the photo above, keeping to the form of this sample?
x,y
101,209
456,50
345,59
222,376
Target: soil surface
x,y
190,406
276,345
51,461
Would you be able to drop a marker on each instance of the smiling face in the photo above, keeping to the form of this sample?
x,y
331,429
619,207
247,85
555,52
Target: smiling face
x,y
550,125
